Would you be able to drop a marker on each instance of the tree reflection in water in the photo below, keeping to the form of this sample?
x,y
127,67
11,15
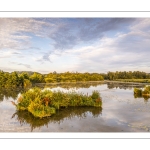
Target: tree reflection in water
x,y
146,97
111,85
9,93
67,86
125,86
24,117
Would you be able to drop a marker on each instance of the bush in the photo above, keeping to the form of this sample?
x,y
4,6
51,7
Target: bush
x,y
39,110
146,90
138,91
27,83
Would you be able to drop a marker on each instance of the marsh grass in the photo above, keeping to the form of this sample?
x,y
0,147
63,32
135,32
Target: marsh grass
x,y
44,103
145,93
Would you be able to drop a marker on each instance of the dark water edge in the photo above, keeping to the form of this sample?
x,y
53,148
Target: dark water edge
x,y
121,112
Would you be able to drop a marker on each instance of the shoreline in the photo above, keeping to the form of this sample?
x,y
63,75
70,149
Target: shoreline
x,y
137,83
104,81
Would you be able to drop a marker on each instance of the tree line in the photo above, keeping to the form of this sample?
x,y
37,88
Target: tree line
x,y
126,75
25,79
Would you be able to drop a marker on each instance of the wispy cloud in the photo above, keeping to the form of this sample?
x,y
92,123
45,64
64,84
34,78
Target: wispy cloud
x,y
21,64
16,33
44,57
8,54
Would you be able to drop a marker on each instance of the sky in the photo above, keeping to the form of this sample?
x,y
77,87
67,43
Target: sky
x,y
74,44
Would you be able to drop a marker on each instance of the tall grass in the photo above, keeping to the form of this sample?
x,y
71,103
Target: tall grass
x,y
43,103
145,93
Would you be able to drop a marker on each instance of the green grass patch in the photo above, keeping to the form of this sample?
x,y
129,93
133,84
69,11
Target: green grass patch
x,y
44,103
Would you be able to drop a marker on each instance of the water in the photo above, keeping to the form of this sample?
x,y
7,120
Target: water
x,y
121,112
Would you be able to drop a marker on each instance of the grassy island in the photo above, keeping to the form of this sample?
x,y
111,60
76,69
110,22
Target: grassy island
x,y
145,92
44,103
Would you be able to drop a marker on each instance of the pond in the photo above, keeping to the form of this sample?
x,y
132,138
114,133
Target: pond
x,y
120,112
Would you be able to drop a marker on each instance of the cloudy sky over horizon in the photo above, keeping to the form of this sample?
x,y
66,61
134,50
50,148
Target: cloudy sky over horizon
x,y
75,44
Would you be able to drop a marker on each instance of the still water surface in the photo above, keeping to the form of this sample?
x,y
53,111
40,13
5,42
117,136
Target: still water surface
x,y
121,112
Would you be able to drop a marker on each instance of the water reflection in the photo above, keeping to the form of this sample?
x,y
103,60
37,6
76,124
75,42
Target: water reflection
x,y
145,97
24,117
67,86
13,93
129,86
9,93
111,85
113,118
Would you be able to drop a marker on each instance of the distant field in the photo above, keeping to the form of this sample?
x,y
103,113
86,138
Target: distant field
x,y
134,80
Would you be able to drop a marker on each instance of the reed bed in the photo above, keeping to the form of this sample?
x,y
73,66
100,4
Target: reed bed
x,y
44,103
139,92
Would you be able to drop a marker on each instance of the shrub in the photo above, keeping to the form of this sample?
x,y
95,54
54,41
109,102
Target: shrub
x,y
39,110
138,91
27,83
146,90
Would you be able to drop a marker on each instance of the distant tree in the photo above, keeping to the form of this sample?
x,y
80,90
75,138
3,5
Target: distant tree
x,y
37,78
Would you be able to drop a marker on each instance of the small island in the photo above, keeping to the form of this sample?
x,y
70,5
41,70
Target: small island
x,y
145,92
44,103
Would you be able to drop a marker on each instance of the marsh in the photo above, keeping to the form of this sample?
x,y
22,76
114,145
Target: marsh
x,y
121,111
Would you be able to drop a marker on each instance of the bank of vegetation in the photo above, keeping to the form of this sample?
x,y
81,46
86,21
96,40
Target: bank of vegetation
x,y
128,76
27,79
44,103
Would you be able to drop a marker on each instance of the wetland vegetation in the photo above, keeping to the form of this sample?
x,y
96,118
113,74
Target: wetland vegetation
x,y
142,92
128,76
120,110
27,79
33,98
44,103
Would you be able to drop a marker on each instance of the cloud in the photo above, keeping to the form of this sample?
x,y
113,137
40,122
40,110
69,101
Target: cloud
x,y
135,40
48,56
43,57
79,31
124,51
8,54
92,44
7,69
17,33
21,64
